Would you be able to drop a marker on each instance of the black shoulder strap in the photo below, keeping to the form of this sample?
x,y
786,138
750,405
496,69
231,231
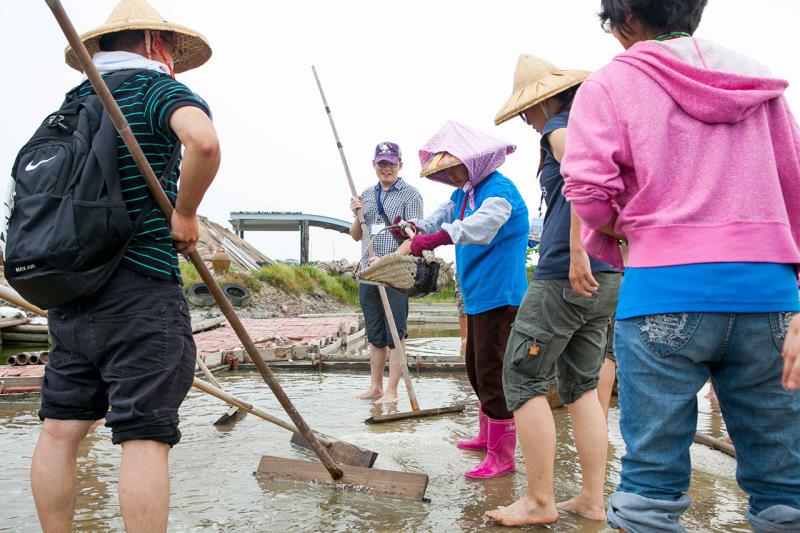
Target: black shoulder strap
x,y
151,201
173,161
116,79
388,224
113,81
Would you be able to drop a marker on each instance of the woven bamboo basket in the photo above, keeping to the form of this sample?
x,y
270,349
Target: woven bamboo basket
x,y
415,276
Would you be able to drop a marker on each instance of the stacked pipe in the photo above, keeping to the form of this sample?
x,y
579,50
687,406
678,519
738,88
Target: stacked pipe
x,y
28,358
25,334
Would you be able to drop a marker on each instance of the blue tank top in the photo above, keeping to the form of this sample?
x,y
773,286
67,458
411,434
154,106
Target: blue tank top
x,y
554,248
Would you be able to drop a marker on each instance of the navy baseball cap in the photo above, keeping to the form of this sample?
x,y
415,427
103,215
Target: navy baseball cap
x,y
387,151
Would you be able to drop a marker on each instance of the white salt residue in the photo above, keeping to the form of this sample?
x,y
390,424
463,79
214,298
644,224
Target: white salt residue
x,y
714,462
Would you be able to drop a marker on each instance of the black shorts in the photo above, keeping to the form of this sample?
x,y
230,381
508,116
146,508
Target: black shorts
x,y
128,347
378,332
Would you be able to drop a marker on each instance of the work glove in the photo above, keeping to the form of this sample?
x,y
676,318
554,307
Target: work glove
x,y
397,232
429,242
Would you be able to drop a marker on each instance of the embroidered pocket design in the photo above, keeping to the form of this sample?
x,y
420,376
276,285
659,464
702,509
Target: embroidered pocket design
x,y
666,334
780,325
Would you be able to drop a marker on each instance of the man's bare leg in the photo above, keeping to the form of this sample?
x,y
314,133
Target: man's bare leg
x,y
144,486
537,435
591,439
608,374
377,362
54,472
395,372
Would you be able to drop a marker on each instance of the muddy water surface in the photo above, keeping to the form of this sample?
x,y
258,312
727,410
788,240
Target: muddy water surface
x,y
213,487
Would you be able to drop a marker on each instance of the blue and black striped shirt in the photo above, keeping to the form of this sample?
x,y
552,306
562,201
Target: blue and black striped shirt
x,y
148,100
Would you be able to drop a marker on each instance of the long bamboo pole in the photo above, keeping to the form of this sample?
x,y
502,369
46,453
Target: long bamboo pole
x,y
10,295
398,344
121,125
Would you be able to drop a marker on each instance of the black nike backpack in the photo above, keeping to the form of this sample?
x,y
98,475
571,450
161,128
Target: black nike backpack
x,y
69,226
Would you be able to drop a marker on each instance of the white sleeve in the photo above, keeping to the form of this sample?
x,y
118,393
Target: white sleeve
x,y
432,224
482,225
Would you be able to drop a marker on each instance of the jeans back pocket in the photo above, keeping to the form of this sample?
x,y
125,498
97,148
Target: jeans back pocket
x,y
666,334
779,324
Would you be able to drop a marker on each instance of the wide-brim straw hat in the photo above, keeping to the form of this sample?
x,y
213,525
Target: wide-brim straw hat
x,y
536,80
439,162
191,48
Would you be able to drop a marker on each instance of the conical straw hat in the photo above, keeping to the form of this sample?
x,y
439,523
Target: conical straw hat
x,y
439,162
536,80
191,48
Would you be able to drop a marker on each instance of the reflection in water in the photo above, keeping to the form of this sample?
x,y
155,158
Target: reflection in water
x,y
213,487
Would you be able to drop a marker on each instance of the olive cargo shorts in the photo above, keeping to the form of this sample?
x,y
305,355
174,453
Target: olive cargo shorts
x,y
558,334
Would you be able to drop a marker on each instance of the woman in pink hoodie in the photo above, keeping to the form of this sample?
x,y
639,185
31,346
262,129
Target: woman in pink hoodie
x,y
686,152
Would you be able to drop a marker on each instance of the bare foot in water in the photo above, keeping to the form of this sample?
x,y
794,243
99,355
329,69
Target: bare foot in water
x,y
370,394
583,506
523,512
386,398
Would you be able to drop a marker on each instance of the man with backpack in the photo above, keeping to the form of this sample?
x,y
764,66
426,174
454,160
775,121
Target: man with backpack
x,y
123,351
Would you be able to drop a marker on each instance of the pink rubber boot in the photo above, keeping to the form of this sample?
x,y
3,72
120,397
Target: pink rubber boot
x,y
500,443
479,442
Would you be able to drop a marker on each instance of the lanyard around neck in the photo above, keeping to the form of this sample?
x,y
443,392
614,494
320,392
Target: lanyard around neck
x,y
671,35
378,189
464,207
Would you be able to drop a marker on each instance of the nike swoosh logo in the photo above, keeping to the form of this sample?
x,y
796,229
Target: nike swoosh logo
x,y
30,166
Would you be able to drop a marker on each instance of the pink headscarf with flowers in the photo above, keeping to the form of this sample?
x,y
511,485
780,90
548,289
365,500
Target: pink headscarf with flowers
x,y
481,153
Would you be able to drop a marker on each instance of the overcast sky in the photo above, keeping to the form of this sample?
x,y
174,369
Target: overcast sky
x,y
391,71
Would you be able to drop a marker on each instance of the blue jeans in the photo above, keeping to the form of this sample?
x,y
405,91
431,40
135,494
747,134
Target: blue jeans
x,y
663,361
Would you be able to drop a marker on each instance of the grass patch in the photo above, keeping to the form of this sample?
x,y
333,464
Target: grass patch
x,y
341,288
290,279
280,276
529,270
189,275
309,280
306,280
240,278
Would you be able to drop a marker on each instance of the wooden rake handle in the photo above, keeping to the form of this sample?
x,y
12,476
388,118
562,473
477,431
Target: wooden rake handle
x,y
365,234
121,125
230,399
408,230
10,295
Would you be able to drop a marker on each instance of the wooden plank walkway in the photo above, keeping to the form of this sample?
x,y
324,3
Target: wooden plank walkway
x,y
293,334
20,379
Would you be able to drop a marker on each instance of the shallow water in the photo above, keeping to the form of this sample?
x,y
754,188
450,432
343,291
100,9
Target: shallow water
x,y
213,488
